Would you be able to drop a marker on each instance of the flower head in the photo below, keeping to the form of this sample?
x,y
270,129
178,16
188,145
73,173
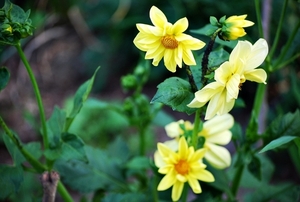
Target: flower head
x,y
165,40
233,27
215,132
229,77
182,166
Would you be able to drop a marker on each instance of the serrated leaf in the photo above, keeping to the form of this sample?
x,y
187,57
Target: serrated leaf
x,y
4,77
82,94
278,142
176,93
16,13
207,30
101,171
10,180
286,125
217,57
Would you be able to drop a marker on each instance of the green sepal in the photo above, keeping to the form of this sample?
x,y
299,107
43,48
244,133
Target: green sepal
x,y
176,93
207,30
213,21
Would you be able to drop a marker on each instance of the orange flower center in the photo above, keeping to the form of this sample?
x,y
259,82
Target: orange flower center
x,y
182,167
169,42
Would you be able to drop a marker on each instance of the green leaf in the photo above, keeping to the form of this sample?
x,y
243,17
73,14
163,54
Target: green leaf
x,y
213,20
278,142
139,163
4,77
217,57
176,93
82,94
101,171
207,30
119,150
15,13
55,126
71,147
10,180
254,167
286,125
34,148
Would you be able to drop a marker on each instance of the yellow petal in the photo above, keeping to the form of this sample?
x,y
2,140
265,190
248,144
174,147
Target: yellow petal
x,y
218,156
164,151
194,184
177,190
180,26
182,148
173,129
203,175
257,75
158,161
157,17
167,181
258,54
188,57
196,104
169,60
232,87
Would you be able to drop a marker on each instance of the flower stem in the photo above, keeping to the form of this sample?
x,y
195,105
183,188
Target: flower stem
x,y
259,97
63,192
33,162
258,16
196,129
191,78
184,195
279,28
142,131
37,94
205,58
237,179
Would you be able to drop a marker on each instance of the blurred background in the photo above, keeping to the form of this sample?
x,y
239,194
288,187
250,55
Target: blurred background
x,y
74,37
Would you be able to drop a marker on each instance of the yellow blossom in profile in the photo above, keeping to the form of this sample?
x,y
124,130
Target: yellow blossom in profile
x,y
233,27
165,40
229,77
180,167
216,134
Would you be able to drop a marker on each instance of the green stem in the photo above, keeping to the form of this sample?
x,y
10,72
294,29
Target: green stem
x,y
237,179
287,46
142,131
205,58
288,61
278,31
191,78
196,129
154,189
64,192
258,16
33,162
37,94
258,100
184,195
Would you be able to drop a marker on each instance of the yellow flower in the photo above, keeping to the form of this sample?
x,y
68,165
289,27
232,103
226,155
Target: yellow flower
x,y
167,40
233,27
182,166
229,77
215,131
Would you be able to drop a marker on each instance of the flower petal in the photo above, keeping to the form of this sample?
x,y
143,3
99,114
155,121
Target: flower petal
x,y
259,52
157,17
180,26
177,190
257,75
173,129
194,184
218,156
167,181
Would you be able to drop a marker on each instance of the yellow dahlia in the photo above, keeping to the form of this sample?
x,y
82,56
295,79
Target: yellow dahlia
x,y
165,40
242,64
180,167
